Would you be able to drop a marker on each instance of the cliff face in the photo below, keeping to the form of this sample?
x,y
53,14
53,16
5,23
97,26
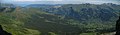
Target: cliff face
x,y
118,26
2,32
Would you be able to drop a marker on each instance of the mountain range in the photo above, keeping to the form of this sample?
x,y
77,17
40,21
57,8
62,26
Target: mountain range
x,y
60,19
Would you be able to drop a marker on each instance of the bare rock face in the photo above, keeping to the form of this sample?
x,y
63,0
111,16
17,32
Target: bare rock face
x,y
118,26
2,32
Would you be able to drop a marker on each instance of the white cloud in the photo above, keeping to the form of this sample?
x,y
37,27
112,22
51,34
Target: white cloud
x,y
52,0
24,0
35,0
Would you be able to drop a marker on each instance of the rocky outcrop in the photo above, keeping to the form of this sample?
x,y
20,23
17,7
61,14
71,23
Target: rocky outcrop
x,y
2,32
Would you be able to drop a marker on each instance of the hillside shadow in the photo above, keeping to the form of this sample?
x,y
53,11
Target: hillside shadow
x,y
118,26
2,32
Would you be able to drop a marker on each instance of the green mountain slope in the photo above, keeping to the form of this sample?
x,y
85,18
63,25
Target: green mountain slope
x,y
70,19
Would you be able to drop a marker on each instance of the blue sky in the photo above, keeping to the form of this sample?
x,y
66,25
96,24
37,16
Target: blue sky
x,y
60,1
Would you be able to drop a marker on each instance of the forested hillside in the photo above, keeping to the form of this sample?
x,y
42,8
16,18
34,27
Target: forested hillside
x,y
60,19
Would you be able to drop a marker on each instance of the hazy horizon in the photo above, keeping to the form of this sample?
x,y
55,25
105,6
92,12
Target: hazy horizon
x,y
60,1
27,2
